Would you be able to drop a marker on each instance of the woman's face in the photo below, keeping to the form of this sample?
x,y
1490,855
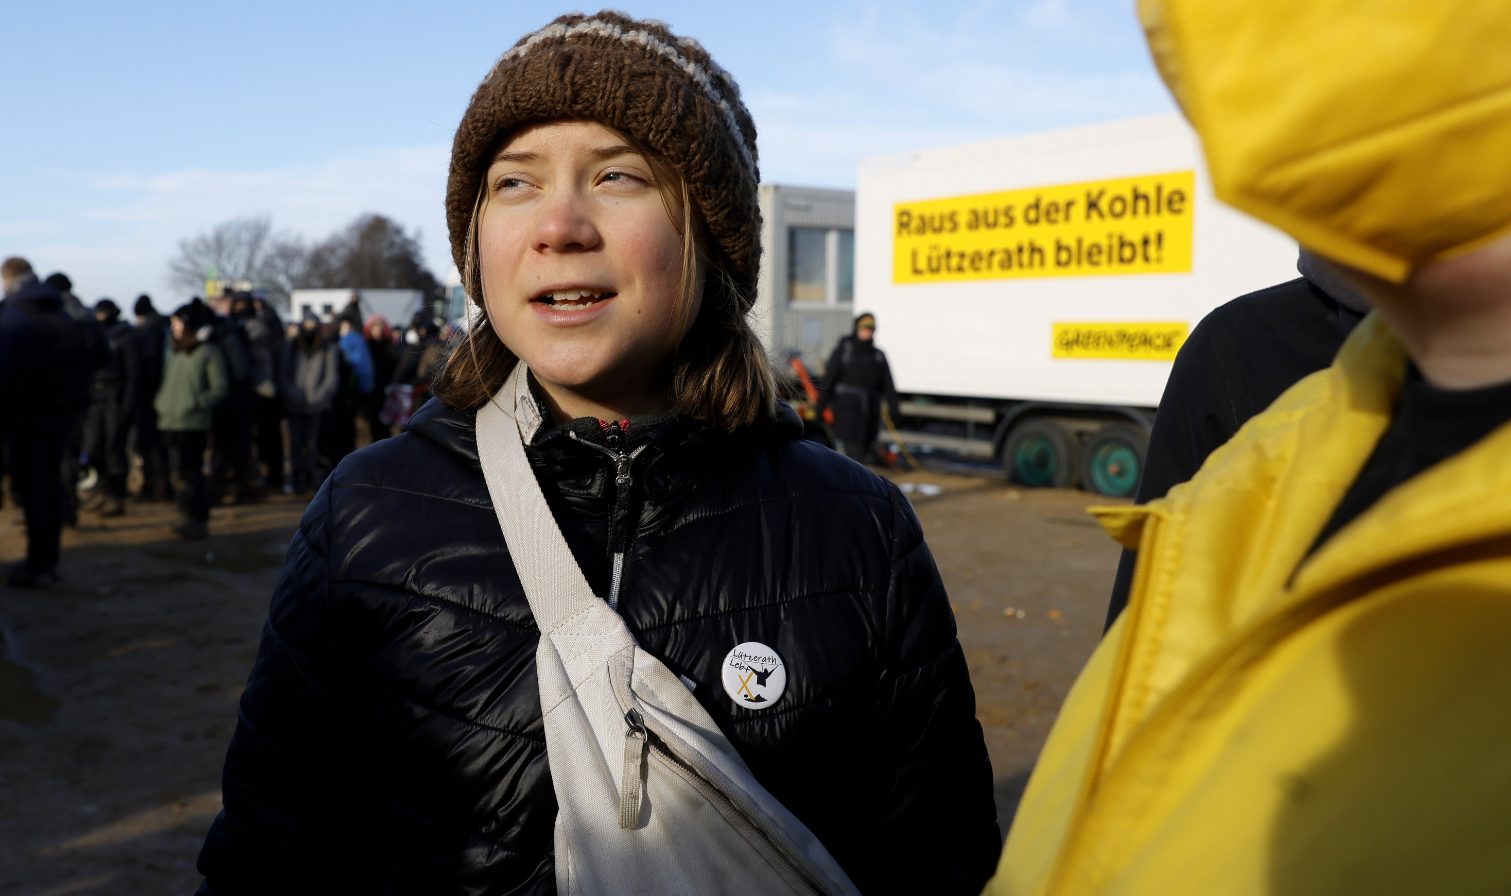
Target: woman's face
x,y
581,266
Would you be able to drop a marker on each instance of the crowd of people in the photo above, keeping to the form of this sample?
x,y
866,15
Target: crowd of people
x,y
219,402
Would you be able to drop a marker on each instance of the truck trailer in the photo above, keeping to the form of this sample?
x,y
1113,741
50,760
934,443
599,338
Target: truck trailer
x,y
1031,292
396,305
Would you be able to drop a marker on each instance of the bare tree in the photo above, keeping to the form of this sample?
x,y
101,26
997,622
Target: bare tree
x,y
241,249
285,268
373,252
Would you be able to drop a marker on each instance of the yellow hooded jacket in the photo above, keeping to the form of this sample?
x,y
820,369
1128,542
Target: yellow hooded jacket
x,y
1261,721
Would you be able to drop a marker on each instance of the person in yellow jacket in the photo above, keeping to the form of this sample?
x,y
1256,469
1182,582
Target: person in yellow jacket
x,y
1309,690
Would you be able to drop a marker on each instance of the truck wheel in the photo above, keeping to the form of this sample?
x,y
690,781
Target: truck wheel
x,y
1113,459
1040,453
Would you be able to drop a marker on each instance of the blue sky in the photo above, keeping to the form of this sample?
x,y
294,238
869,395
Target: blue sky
x,y
131,126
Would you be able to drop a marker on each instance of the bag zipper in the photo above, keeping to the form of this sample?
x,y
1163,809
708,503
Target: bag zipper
x,y
636,743
641,744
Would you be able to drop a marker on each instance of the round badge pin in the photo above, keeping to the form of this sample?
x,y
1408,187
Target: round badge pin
x,y
754,675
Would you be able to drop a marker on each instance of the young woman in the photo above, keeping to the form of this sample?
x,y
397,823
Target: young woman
x,y
602,207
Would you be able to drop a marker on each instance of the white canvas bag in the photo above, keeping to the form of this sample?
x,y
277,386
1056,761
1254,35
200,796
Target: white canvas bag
x,y
652,797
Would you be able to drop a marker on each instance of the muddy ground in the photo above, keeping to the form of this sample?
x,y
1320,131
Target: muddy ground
x,y
118,689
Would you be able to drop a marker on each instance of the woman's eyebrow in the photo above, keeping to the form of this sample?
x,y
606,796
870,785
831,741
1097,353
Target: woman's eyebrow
x,y
614,151
600,153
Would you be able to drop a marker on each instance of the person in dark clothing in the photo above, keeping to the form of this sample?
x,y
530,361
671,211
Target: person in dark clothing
x,y
264,332
416,365
351,312
46,362
96,348
194,382
415,369
73,306
1240,358
355,384
234,476
152,343
391,736
857,382
107,425
311,369
384,354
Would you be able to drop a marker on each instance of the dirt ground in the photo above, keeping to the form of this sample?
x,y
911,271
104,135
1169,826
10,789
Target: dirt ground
x,y
118,689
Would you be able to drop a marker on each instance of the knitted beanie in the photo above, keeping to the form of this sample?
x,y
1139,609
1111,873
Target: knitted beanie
x,y
640,79
197,316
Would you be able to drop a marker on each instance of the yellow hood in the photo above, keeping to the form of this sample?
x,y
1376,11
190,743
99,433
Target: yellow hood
x,y
1375,132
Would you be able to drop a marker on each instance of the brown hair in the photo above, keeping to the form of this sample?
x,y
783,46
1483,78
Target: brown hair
x,y
719,373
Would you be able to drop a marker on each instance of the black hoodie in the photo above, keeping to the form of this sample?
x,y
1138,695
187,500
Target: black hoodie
x,y
47,359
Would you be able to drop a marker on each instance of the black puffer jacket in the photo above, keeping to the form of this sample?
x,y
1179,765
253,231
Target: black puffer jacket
x,y
390,738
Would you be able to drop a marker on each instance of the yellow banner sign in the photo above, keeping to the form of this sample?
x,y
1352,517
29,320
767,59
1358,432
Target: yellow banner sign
x,y
1132,225
1119,342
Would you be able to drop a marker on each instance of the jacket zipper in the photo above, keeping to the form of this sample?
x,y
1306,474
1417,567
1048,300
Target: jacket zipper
x,y
614,435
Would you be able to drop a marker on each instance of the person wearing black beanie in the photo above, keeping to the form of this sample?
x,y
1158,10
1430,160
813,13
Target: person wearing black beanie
x,y
45,363
604,212
194,381
857,383
107,424
95,350
71,303
151,335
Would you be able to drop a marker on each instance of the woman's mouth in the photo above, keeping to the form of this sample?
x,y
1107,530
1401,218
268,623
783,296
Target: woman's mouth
x,y
573,299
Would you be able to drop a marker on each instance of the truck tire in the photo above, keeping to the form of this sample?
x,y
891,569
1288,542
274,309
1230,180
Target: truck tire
x,y
1113,459
1041,453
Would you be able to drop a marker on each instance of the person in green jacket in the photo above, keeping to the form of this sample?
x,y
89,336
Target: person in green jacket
x,y
194,380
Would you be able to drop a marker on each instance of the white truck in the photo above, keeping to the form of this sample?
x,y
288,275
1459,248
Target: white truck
x,y
1031,292
396,305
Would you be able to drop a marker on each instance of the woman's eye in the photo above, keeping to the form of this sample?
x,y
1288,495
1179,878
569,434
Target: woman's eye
x,y
623,178
507,183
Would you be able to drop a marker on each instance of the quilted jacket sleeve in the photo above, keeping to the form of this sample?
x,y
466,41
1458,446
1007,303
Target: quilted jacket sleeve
x,y
936,816
288,792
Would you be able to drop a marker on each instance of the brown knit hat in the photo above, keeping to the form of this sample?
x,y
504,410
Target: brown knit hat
x,y
642,80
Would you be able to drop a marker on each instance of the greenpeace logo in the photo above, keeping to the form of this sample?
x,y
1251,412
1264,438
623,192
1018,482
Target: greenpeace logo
x,y
1119,341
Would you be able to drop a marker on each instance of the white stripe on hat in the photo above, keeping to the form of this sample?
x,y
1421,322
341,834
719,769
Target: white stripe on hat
x,y
644,38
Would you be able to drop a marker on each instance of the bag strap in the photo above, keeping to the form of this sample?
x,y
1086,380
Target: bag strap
x,y
554,583
580,633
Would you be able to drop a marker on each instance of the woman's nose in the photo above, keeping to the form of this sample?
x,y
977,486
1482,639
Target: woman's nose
x,y
564,223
